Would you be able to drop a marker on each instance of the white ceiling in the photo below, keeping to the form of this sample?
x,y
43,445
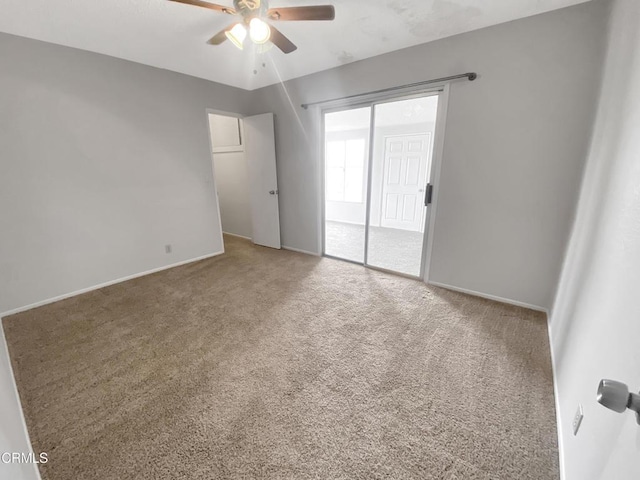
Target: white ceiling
x,y
173,36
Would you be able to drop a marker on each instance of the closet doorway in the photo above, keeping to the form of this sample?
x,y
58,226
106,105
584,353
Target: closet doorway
x,y
244,171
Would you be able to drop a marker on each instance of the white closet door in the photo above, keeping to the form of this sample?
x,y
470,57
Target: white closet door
x,y
260,152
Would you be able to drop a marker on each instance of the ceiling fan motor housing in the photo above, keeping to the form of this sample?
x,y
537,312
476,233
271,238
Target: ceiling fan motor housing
x,y
251,8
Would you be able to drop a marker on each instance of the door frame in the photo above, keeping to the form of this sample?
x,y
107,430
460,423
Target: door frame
x,y
436,169
322,171
442,91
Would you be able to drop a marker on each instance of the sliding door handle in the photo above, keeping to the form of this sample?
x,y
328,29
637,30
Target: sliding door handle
x,y
428,195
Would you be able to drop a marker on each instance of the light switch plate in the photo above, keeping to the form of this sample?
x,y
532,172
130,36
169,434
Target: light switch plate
x,y
577,419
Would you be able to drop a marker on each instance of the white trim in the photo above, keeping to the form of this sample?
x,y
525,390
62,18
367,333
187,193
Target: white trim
x,y
105,284
490,297
320,148
344,221
232,149
367,206
298,250
384,97
434,179
235,235
557,403
14,392
392,272
209,111
224,113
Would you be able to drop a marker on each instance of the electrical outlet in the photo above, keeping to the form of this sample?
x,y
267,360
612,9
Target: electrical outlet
x,y
167,249
577,419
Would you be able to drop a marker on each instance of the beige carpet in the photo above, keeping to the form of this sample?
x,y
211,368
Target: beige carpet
x,y
272,364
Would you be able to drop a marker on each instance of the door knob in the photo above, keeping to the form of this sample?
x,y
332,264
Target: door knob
x,y
273,192
615,396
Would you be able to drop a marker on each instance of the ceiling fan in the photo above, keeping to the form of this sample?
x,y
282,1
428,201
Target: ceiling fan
x,y
254,14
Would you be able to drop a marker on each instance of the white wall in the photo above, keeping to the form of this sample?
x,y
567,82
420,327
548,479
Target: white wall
x,y
225,132
232,175
13,437
232,180
102,163
515,145
595,323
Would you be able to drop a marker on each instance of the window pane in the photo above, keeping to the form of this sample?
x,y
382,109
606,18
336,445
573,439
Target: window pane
x,y
335,154
355,153
353,185
354,170
335,186
345,169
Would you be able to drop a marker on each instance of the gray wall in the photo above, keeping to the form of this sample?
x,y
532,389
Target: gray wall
x,y
515,144
595,323
102,163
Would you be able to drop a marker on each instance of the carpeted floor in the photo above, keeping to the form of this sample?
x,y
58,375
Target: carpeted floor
x,y
389,248
272,364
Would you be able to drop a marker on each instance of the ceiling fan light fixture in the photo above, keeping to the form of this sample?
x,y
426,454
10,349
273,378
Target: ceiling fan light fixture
x,y
237,35
259,31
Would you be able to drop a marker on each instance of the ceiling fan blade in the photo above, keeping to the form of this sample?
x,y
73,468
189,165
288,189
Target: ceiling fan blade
x,y
211,6
317,12
282,42
221,36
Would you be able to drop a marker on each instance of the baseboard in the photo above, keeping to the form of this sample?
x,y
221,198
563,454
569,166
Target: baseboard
x,y
105,284
236,235
491,297
557,402
16,395
348,222
306,252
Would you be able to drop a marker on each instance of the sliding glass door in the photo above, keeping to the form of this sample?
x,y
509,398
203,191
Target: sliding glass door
x,y
401,165
377,169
